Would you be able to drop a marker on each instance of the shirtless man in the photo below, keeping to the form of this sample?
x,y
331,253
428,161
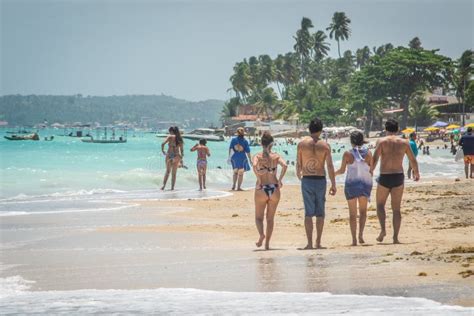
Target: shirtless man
x,y
312,154
392,149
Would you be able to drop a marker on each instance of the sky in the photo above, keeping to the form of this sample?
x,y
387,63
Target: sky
x,y
187,48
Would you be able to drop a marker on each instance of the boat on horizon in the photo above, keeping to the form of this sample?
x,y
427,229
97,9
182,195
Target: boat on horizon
x,y
102,139
33,136
209,134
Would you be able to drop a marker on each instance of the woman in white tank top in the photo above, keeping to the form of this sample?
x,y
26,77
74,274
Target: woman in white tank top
x,y
358,184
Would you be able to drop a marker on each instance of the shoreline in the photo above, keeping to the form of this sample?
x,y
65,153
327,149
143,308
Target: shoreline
x,y
209,244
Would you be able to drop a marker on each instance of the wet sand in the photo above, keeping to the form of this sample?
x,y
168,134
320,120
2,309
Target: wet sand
x,y
210,244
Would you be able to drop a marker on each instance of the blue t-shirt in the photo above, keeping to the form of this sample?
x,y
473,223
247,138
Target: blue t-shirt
x,y
414,148
467,144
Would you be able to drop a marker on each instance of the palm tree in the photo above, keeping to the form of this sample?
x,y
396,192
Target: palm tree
x,y
267,102
241,80
320,47
303,44
383,49
290,70
420,111
254,70
230,108
339,29
462,77
279,63
362,56
267,69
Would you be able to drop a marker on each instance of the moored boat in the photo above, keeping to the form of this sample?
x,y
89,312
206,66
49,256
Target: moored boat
x,y
208,134
33,136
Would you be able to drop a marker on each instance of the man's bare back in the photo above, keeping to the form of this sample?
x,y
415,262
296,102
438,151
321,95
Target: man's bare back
x,y
392,150
312,155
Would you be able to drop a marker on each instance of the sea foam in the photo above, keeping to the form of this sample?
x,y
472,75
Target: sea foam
x,y
16,299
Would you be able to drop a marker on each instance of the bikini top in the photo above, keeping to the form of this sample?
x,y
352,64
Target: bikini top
x,y
267,168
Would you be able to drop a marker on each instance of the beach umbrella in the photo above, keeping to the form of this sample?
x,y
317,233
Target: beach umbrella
x,y
431,129
408,130
453,126
440,124
469,125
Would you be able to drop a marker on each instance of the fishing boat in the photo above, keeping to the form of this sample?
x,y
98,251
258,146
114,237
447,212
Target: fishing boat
x,y
33,136
209,134
102,139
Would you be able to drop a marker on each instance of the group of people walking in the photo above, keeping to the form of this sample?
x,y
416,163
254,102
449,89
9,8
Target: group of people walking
x,y
314,164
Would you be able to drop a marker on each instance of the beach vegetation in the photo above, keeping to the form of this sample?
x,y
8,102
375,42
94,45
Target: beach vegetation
x,y
358,86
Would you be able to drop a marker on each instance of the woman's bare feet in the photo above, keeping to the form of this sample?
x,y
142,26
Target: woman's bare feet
x,y
267,246
354,242
260,241
361,240
320,247
162,188
381,236
396,241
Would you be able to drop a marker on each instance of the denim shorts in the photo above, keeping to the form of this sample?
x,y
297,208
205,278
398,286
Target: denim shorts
x,y
314,196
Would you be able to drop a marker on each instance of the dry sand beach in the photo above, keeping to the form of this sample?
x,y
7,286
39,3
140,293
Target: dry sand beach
x,y
209,244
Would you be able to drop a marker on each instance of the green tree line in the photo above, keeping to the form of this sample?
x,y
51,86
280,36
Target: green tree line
x,y
305,82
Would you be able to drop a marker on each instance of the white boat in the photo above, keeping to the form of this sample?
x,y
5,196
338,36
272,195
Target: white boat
x,y
208,134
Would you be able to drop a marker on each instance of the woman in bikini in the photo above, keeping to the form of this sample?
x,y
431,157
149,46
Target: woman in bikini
x,y
201,164
358,185
267,190
174,155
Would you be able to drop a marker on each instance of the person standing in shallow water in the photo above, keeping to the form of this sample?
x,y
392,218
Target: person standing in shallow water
x,y
312,154
239,156
174,155
267,188
391,150
201,164
358,185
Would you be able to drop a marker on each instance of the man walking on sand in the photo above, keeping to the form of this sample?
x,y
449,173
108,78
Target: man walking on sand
x,y
391,150
312,154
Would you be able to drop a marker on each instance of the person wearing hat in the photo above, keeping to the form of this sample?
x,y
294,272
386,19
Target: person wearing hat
x,y
239,156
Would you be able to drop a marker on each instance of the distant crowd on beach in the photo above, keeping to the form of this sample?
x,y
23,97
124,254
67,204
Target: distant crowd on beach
x,y
314,164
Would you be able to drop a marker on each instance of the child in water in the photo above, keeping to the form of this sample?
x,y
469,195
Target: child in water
x,y
202,154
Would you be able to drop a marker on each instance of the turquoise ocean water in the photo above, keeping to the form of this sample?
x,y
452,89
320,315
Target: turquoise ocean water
x,y
66,168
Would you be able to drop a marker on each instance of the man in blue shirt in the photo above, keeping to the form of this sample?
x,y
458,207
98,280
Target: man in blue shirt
x,y
467,144
414,148
239,151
